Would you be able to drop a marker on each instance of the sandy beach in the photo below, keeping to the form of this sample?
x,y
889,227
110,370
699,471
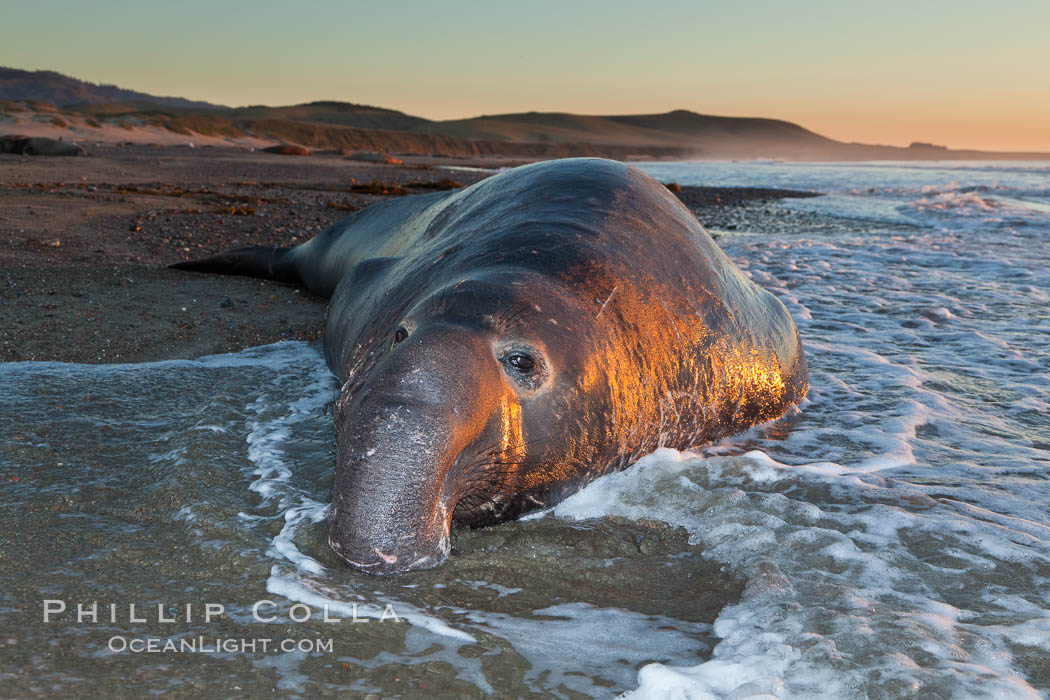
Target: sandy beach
x,y
85,243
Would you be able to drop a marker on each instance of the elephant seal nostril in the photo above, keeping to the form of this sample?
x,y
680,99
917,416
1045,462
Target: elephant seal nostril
x,y
388,558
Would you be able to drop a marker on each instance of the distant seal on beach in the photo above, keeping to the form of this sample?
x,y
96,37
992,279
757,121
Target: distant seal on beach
x,y
502,345
39,146
288,149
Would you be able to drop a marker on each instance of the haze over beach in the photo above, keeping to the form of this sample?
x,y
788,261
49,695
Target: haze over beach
x,y
964,75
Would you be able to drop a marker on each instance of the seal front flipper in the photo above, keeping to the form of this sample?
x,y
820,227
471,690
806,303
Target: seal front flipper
x,y
265,262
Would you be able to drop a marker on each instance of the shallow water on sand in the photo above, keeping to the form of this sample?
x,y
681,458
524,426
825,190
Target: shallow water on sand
x,y
183,484
895,534
891,539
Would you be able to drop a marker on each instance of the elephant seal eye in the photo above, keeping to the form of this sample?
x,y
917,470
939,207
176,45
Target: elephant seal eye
x,y
520,361
400,334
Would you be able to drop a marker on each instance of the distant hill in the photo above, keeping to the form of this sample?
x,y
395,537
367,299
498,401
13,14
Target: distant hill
x,y
61,90
692,125
681,130
338,113
684,134
343,125
65,91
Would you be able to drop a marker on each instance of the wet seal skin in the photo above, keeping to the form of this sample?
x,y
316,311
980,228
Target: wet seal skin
x,y
502,345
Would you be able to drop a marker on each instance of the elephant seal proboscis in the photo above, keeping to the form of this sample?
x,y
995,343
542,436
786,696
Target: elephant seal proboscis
x,y
502,345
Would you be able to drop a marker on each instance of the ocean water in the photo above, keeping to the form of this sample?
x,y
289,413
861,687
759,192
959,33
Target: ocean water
x,y
891,538
896,530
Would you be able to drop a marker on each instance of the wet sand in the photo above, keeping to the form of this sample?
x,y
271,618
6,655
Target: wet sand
x,y
85,244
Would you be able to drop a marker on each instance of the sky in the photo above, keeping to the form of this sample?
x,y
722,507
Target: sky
x,y
962,74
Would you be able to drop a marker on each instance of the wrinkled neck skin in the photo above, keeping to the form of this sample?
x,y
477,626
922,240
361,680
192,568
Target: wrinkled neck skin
x,y
434,427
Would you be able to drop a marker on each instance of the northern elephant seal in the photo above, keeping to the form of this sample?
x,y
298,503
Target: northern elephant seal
x,y
502,345
288,149
39,146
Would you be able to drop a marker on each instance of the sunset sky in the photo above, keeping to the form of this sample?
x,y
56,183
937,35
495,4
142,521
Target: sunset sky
x,y
960,73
